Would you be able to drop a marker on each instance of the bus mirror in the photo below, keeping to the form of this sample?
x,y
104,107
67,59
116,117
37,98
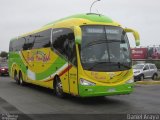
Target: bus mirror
x,y
78,34
135,34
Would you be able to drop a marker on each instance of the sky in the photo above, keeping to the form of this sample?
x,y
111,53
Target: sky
x,y
20,16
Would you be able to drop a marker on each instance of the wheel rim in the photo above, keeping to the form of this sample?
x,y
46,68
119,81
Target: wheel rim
x,y
59,88
21,81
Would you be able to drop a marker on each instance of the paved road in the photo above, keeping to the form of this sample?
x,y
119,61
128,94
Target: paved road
x,y
32,99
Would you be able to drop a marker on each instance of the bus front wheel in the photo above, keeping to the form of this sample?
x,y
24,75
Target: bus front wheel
x,y
58,88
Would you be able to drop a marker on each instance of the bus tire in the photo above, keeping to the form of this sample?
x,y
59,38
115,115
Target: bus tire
x,y
21,81
16,77
58,88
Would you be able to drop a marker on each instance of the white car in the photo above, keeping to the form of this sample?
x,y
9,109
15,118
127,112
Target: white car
x,y
145,70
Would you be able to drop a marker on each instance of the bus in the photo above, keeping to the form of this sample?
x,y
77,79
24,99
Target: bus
x,y
83,55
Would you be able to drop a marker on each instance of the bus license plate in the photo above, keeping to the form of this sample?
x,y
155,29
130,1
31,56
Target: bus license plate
x,y
111,90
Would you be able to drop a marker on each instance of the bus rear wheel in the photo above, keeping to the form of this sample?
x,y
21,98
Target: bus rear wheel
x,y
16,77
58,88
21,82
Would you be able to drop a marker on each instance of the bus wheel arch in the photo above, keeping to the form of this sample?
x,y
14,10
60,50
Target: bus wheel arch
x,y
57,85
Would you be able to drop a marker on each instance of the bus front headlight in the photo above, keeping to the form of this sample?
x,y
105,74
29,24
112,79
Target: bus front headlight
x,y
130,80
86,83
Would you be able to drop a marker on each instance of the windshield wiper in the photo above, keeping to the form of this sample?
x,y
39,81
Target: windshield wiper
x,y
122,64
98,63
110,63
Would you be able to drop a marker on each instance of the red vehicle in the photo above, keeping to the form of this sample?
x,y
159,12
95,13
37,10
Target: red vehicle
x,y
3,69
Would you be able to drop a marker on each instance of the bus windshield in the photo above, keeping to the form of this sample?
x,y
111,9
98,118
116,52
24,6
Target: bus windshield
x,y
104,48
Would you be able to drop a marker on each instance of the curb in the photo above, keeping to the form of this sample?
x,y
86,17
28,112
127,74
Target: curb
x,y
149,82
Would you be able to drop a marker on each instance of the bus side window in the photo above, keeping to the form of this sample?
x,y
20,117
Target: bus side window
x,y
63,41
59,41
42,39
72,49
25,45
16,45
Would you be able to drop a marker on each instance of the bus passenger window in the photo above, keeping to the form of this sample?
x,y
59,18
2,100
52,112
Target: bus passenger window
x,y
63,41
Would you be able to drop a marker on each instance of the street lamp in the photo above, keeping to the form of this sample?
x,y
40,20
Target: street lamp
x,y
93,4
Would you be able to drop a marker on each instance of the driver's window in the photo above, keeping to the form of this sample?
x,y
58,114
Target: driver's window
x,y
124,51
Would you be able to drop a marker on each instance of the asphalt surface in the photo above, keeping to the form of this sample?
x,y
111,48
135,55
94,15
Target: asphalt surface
x,y
29,101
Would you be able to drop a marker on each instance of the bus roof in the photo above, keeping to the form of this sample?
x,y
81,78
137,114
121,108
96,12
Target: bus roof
x,y
92,17
77,20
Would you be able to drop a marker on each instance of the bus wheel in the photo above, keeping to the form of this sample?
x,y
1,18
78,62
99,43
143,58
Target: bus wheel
x,y
58,88
21,79
16,77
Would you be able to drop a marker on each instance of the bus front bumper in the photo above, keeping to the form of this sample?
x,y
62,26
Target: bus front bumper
x,y
89,91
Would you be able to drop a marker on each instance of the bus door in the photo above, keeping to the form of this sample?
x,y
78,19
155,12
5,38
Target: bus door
x,y
72,60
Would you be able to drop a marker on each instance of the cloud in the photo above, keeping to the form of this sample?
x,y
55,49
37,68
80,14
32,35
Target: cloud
x,y
20,16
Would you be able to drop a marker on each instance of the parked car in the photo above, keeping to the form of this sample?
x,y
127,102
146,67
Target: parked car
x,y
145,70
3,69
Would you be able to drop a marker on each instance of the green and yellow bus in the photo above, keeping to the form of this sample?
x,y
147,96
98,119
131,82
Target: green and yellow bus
x,y
82,55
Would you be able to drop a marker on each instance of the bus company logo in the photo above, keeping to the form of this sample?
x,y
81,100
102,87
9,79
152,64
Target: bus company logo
x,y
38,56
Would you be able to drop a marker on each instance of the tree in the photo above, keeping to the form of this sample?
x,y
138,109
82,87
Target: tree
x,y
4,54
